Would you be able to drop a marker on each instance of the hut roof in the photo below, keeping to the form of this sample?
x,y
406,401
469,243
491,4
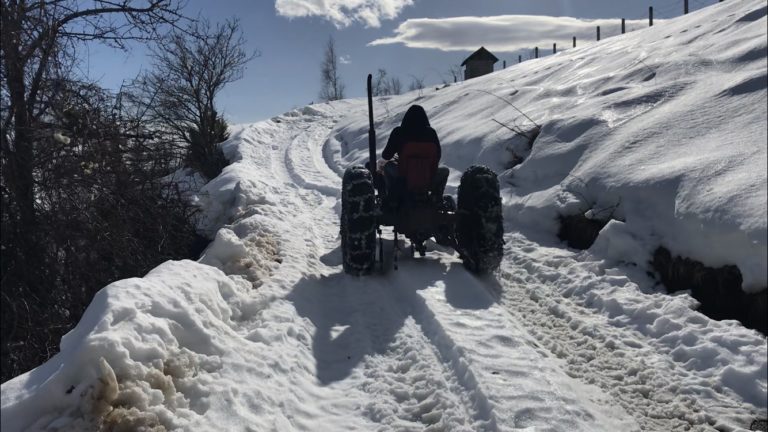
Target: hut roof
x,y
481,54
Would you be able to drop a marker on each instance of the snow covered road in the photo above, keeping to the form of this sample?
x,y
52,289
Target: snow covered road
x,y
432,345
552,342
428,345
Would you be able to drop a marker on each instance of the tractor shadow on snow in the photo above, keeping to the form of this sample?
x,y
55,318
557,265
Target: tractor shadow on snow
x,y
359,317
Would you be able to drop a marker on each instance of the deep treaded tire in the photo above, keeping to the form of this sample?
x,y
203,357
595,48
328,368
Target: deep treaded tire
x,y
479,224
358,221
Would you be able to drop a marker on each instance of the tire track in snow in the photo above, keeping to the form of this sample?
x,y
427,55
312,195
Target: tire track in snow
x,y
428,384
315,180
421,331
649,385
411,384
523,387
451,356
416,393
389,343
302,164
422,353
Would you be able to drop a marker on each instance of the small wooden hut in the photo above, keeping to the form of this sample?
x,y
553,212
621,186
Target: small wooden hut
x,y
479,63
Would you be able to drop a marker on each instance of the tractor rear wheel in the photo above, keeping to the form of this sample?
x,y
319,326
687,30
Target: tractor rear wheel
x,y
479,224
358,221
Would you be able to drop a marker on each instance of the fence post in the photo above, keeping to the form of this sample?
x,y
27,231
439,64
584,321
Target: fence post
x,y
536,52
554,48
574,41
685,7
598,33
623,27
650,16
519,58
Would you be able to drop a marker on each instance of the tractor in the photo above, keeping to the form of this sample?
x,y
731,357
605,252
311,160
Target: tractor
x,y
472,225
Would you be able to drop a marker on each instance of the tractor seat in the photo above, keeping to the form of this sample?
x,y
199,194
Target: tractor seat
x,y
417,165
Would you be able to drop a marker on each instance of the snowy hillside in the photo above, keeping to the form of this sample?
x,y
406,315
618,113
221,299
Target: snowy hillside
x,y
668,123
664,127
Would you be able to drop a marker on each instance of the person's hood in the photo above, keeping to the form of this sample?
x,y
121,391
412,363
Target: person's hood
x,y
415,118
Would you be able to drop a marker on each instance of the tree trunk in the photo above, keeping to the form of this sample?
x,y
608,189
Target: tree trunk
x,y
18,149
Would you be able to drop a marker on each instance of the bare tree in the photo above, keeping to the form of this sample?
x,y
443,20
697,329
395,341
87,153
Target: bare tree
x,y
34,41
332,87
395,86
380,86
76,183
383,85
417,83
454,73
104,213
191,67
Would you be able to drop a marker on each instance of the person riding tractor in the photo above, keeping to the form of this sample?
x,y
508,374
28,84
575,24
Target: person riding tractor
x,y
416,142
404,190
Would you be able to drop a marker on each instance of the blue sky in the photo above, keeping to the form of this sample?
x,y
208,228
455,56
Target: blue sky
x,y
286,74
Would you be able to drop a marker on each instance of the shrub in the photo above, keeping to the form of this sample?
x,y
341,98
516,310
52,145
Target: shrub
x,y
204,153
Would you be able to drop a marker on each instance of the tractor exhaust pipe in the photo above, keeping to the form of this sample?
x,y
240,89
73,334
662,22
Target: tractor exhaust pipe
x,y
371,132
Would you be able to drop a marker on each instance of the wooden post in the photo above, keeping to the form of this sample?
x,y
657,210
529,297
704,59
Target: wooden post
x,y
536,52
650,16
685,7
623,26
554,48
519,58
505,64
574,41
598,33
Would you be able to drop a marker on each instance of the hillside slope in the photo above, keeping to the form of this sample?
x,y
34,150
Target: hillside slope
x,y
666,124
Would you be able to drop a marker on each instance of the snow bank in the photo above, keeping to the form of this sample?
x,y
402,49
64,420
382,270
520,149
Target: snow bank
x,y
667,125
159,337
699,373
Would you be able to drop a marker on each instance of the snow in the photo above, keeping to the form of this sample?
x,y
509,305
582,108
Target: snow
x,y
662,129
668,122
157,334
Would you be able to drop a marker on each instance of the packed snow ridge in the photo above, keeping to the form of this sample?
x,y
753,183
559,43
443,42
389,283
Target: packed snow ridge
x,y
664,126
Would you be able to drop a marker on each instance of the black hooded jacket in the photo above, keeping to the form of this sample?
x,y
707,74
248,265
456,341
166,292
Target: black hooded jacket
x,y
414,127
